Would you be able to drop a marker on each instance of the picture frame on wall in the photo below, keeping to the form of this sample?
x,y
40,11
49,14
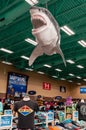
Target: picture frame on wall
x,y
63,89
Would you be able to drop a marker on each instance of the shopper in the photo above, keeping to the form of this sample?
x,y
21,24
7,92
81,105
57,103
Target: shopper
x,y
26,109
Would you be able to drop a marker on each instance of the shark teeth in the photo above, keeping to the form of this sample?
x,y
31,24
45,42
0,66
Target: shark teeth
x,y
38,21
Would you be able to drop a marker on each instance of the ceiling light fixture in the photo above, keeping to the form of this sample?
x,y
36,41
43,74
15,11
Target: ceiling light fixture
x,y
5,62
70,81
82,42
80,66
6,50
70,61
84,79
29,69
24,57
78,77
32,2
54,76
47,66
79,83
67,30
62,78
31,41
40,72
58,70
71,74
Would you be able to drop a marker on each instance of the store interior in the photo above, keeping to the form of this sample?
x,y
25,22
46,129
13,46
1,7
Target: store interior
x,y
53,75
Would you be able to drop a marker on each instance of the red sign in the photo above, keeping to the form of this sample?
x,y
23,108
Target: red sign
x,y
46,86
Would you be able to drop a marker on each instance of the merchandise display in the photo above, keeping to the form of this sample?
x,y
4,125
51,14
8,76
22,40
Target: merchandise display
x,y
51,119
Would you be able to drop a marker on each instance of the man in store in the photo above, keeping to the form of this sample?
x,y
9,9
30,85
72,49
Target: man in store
x,y
26,109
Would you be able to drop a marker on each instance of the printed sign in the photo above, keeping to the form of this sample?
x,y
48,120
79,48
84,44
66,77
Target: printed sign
x,y
46,86
75,115
83,90
50,116
8,112
6,121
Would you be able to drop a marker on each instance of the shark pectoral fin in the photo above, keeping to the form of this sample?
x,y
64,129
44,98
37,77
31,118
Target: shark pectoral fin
x,y
36,52
59,51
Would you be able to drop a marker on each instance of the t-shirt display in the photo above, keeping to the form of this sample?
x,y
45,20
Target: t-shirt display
x,y
26,110
81,107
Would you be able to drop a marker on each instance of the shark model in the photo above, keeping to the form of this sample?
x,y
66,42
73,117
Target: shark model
x,y
47,33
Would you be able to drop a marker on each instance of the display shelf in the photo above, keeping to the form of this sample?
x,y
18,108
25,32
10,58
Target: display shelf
x,y
43,118
70,113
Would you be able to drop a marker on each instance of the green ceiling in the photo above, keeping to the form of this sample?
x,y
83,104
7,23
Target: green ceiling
x,y
15,27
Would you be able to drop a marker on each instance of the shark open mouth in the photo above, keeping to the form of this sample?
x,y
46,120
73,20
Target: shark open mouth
x,y
38,22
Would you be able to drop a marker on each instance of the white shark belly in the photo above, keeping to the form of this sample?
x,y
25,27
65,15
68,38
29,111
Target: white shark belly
x,y
45,36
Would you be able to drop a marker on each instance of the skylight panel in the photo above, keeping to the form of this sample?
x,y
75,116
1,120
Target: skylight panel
x,y
6,50
31,41
67,30
80,66
47,66
70,61
24,57
32,2
82,42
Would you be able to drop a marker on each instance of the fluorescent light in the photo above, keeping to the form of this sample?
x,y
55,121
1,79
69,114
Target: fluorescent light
x,y
29,69
32,2
47,66
58,70
82,42
79,83
63,79
40,72
24,57
5,50
78,77
70,61
67,30
70,81
5,62
80,66
31,41
84,79
54,76
71,74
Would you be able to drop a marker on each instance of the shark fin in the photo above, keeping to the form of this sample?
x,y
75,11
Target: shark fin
x,y
59,51
36,52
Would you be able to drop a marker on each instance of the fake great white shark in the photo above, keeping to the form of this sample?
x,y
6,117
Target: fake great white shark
x,y
47,33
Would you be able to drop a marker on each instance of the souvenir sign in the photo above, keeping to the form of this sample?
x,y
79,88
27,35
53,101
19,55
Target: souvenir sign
x,y
5,121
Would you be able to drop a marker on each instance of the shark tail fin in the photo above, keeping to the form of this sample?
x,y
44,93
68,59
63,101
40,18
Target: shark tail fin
x,y
59,51
36,52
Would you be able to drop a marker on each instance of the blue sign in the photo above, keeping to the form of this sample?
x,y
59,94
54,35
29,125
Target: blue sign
x,y
8,112
83,90
5,121
50,116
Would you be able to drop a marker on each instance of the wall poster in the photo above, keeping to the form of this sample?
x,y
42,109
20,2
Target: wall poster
x,y
16,85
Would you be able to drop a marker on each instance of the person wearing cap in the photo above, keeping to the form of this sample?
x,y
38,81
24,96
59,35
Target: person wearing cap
x,y
26,109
